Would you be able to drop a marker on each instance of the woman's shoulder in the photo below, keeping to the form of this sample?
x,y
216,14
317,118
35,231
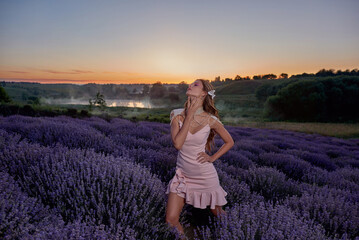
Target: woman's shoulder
x,y
176,112
214,119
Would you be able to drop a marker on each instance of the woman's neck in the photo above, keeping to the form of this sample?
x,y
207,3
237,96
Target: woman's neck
x,y
199,110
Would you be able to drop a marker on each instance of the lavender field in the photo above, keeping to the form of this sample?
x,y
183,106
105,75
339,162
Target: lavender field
x,y
65,178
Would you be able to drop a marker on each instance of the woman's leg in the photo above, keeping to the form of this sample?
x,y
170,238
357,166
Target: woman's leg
x,y
175,204
218,211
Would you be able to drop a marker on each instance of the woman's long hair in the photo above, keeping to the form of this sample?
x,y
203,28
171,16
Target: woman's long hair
x,y
208,106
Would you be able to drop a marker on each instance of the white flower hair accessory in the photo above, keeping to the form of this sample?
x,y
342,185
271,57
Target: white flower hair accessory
x,y
212,93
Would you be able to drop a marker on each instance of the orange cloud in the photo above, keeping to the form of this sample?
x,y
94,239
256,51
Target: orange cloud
x,y
17,72
74,71
44,80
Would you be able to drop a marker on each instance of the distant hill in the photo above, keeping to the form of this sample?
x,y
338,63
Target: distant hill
x,y
239,87
244,87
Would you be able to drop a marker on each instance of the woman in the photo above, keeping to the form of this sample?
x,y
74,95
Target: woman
x,y
192,131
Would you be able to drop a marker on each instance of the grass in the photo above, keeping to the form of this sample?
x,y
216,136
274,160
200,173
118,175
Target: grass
x,y
340,130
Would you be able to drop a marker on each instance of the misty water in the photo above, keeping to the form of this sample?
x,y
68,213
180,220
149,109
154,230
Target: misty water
x,y
109,102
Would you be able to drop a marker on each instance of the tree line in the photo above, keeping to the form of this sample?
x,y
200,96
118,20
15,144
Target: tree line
x,y
328,99
321,73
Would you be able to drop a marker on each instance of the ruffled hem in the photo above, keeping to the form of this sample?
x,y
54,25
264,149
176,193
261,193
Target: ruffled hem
x,y
195,198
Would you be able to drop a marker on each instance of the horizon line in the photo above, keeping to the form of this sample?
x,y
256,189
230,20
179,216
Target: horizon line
x,y
84,82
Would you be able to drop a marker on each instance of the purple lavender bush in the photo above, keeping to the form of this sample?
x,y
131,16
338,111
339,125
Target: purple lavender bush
x,y
260,220
85,185
24,217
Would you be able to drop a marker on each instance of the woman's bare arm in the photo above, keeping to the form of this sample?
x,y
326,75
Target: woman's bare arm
x,y
227,138
178,134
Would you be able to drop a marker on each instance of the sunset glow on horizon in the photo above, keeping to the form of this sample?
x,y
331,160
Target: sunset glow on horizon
x,y
123,42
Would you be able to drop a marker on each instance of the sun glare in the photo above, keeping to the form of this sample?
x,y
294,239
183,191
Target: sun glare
x,y
170,61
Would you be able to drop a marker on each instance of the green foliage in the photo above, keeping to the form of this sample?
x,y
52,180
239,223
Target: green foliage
x,y
325,99
271,88
239,87
99,100
84,113
173,97
157,90
4,97
8,109
264,91
71,112
33,100
163,118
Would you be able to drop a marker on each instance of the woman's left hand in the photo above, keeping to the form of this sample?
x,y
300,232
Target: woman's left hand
x,y
203,157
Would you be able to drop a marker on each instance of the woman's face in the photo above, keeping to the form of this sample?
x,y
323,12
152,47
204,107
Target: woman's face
x,y
195,89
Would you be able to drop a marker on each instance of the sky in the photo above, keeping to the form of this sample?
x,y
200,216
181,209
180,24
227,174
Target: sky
x,y
133,41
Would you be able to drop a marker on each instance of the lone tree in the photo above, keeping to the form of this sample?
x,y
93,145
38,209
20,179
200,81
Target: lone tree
x,y
284,75
97,101
4,97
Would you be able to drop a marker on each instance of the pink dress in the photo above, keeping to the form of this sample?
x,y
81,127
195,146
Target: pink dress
x,y
197,182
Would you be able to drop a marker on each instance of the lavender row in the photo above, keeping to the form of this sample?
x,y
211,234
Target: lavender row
x,y
249,216
337,210
120,139
50,131
325,152
91,187
261,220
24,217
296,168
